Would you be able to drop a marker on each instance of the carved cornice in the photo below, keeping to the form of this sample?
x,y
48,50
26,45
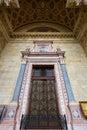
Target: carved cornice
x,y
31,54
42,35
59,53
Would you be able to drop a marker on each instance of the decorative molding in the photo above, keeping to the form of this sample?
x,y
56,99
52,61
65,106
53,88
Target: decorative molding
x,y
11,114
28,55
59,54
42,35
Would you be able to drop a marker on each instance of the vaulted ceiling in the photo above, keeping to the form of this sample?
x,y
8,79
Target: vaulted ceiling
x,y
42,13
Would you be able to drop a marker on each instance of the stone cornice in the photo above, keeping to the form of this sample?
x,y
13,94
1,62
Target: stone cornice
x,y
42,35
27,55
39,54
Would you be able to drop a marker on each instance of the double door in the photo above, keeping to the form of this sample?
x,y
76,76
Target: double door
x,y
43,108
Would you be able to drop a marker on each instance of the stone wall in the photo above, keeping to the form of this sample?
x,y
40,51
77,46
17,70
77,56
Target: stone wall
x,y
76,64
10,63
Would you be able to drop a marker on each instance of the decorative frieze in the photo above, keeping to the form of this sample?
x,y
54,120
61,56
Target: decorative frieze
x,y
58,54
42,35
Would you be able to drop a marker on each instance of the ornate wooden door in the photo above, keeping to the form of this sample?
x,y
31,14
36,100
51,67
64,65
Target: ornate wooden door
x,y
43,108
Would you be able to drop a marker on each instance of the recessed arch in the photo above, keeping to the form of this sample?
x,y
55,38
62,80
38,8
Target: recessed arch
x,y
43,27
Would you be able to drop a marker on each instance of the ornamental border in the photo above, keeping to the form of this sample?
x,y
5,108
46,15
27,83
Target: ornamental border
x,y
42,35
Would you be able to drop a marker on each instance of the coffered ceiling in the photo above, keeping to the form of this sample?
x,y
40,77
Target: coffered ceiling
x,y
42,13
